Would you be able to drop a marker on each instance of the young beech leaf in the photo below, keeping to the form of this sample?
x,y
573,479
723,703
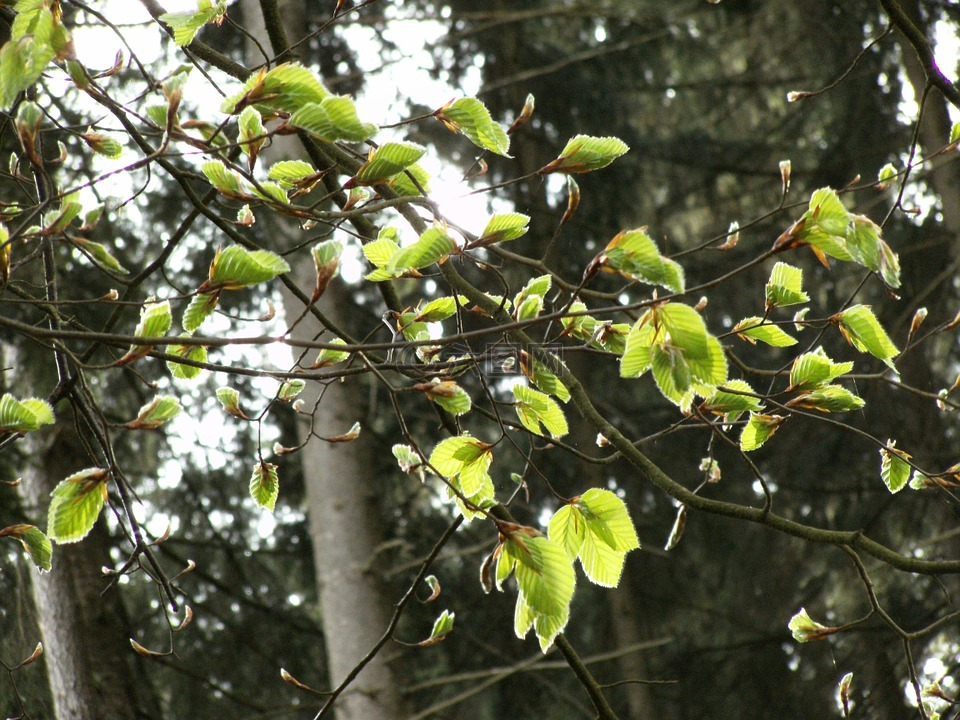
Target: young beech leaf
x,y
35,544
732,399
861,329
894,468
634,254
99,254
155,413
196,353
230,400
536,408
329,357
24,415
785,286
752,329
502,227
414,181
75,504
828,398
804,629
607,517
758,430
326,258
584,153
333,118
290,389
385,162
448,395
286,87
543,377
433,246
568,527
185,26
155,321
200,308
638,352
265,485
814,369
236,267
470,116
463,458
442,627
292,174
543,572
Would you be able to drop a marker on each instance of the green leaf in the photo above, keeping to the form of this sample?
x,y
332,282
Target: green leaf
x,y
271,192
379,251
34,542
442,627
634,254
523,617
155,413
185,26
602,564
671,373
99,254
955,132
887,174
861,329
785,286
236,267
813,369
894,468
547,627
826,213
450,396
638,354
287,87
230,400
607,517
544,378
290,389
828,398
804,629
75,504
568,528
440,309
470,116
70,207
24,416
265,485
200,308
291,173
503,227
155,321
433,246
758,430
36,38
536,408
333,118
326,258
529,301
463,457
105,145
385,162
329,357
686,330
404,185
732,403
197,353
252,132
544,573
228,182
584,153
752,329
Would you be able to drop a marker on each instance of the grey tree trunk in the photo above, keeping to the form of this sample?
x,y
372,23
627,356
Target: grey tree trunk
x,y
342,506
92,671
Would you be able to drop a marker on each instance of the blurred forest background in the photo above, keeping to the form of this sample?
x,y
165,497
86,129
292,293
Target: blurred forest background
x,y
699,93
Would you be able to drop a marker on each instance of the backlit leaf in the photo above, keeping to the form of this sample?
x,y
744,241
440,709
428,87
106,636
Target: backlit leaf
x,y
387,161
75,505
785,286
265,485
584,153
155,413
536,409
894,468
236,267
862,330
754,328
24,416
35,544
815,368
758,430
471,117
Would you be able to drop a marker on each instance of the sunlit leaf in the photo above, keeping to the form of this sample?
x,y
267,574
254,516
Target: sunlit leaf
x,y
754,328
385,162
536,409
75,505
38,548
265,485
634,254
236,267
815,368
185,26
470,116
24,416
804,629
584,153
785,286
862,330
155,413
894,468
758,430
197,353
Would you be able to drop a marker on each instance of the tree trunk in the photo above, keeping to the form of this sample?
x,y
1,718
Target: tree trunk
x,y
92,671
342,507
